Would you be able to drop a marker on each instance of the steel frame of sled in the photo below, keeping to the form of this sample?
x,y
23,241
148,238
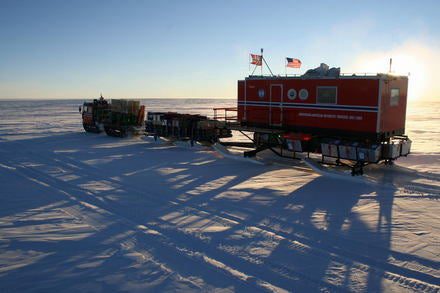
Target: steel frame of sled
x,y
259,148
358,165
175,133
275,142
357,168
390,161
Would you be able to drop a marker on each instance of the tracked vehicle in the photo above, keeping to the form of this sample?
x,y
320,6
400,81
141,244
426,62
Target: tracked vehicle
x,y
94,114
117,118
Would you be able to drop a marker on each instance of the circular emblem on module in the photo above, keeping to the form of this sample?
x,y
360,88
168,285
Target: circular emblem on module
x,y
303,94
291,94
261,93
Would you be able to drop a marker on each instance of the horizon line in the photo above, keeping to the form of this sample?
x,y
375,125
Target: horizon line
x,y
142,98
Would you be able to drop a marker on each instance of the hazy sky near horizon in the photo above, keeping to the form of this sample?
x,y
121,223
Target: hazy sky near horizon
x,y
141,49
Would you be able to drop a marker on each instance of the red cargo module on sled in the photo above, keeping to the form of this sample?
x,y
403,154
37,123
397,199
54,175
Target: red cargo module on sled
x,y
368,106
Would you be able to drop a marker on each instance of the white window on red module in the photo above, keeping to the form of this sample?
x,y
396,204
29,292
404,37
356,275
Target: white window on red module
x,y
291,94
261,94
326,94
303,94
394,99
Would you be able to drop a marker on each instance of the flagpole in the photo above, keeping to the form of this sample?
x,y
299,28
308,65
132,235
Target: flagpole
x,y
262,61
285,66
254,70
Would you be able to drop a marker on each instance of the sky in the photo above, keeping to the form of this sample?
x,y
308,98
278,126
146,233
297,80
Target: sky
x,y
171,49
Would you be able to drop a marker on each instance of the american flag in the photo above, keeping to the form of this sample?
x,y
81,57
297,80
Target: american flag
x,y
256,59
292,62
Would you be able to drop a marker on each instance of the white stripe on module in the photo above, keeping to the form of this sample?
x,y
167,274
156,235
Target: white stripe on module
x,y
311,106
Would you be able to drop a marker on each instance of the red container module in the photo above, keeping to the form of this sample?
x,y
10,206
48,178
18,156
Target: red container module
x,y
371,107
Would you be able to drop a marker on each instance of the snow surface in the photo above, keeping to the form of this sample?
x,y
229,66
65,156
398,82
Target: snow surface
x,y
86,212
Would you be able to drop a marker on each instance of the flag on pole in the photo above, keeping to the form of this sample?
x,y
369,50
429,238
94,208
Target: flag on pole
x,y
256,59
293,63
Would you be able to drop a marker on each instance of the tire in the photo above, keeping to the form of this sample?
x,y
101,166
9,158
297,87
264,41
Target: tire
x,y
91,128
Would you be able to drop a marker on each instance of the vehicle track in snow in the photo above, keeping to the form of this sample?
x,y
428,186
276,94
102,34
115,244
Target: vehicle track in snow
x,y
163,238
165,246
401,276
276,220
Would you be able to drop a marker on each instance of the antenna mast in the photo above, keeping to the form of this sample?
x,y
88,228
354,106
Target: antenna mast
x,y
264,60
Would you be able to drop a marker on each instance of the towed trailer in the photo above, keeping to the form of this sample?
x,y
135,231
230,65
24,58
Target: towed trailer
x,y
191,127
351,120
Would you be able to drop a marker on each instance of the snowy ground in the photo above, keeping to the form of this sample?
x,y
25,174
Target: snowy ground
x,y
85,212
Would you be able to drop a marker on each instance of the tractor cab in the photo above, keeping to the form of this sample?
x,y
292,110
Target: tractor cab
x,y
94,113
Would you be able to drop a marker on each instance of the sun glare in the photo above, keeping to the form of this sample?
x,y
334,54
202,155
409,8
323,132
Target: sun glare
x,y
408,64
416,61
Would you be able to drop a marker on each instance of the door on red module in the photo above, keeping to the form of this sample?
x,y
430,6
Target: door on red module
x,y
275,107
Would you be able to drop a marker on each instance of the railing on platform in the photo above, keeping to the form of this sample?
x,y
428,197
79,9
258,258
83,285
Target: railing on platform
x,y
345,74
228,114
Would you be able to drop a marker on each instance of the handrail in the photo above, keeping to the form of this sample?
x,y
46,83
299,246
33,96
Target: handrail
x,y
225,116
302,75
